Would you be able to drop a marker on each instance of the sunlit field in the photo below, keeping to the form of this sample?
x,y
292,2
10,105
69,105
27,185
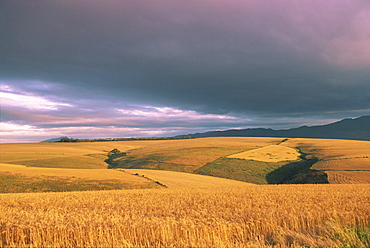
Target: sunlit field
x,y
271,153
249,216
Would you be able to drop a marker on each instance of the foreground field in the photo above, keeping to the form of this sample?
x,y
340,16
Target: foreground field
x,y
249,216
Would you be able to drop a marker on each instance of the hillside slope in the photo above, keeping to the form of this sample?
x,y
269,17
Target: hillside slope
x,y
22,179
344,161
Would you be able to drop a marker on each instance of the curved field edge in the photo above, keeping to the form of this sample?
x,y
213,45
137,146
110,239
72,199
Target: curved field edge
x,y
250,216
222,164
210,156
173,179
65,155
18,183
18,178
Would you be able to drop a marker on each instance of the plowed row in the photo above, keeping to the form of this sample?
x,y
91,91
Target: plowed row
x,y
348,177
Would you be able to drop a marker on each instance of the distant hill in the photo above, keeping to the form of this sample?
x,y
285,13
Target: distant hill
x,y
354,129
54,139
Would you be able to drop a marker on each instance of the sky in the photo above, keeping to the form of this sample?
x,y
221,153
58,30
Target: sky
x,y
154,68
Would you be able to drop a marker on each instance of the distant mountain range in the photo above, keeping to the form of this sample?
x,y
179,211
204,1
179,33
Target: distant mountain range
x,y
354,129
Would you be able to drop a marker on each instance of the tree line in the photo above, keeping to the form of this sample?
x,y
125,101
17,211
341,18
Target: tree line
x,y
122,139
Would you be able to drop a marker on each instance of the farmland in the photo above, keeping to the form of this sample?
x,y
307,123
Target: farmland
x,y
346,159
252,160
274,160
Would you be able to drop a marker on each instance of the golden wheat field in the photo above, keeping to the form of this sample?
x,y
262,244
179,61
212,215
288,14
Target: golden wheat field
x,y
270,153
249,216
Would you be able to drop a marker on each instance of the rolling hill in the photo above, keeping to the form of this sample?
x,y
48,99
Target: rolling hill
x,y
353,129
41,167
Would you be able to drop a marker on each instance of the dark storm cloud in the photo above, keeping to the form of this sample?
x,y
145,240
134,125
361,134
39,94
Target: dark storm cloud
x,y
243,58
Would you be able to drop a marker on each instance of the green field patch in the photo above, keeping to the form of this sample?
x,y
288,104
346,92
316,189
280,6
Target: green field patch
x,y
90,161
240,169
298,172
157,161
16,183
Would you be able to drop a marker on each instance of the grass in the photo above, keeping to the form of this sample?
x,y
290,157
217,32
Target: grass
x,y
249,216
158,161
240,169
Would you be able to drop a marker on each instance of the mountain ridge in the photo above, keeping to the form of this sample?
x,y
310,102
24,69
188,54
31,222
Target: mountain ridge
x,y
354,129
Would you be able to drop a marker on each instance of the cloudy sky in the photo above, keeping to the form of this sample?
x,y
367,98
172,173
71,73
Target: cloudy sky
x,y
125,68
